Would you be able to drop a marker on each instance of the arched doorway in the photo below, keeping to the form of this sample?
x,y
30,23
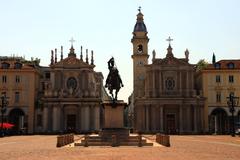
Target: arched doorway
x,y
219,121
16,117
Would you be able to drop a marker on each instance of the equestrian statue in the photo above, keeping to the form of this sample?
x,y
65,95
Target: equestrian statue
x,y
113,81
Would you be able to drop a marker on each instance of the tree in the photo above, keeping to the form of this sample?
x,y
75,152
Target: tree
x,y
202,64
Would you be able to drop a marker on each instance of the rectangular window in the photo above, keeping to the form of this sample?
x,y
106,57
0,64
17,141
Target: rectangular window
x,y
218,97
4,79
47,75
218,78
4,94
231,79
17,97
39,120
17,79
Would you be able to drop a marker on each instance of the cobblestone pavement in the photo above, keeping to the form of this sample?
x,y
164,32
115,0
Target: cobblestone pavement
x,y
182,148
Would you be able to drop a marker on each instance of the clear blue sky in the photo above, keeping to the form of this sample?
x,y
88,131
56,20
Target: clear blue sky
x,y
32,28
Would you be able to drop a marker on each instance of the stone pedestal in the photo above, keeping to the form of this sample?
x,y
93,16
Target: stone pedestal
x,y
113,114
113,121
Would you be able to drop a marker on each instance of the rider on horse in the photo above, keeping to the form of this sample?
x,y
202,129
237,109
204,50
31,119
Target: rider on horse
x,y
113,80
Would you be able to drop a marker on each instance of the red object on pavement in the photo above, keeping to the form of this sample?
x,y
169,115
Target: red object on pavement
x,y
6,125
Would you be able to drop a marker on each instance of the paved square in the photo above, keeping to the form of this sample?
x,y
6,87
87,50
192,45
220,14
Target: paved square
x,y
182,148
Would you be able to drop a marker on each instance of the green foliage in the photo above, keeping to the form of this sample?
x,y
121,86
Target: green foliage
x,y
202,64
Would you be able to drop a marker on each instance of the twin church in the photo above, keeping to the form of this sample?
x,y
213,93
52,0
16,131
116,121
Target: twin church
x,y
67,95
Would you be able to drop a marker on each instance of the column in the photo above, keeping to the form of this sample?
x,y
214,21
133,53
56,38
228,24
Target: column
x,y
97,117
160,83
62,118
186,87
153,83
195,118
180,83
78,119
83,122
153,118
55,119
87,117
181,119
45,118
161,118
147,117
91,117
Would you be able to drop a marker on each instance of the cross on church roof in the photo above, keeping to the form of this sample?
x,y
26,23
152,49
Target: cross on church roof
x,y
169,40
72,41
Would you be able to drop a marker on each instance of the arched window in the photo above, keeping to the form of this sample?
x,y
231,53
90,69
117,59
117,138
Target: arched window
x,y
139,48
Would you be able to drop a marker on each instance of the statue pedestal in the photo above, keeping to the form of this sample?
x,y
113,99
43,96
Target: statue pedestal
x,y
114,114
113,121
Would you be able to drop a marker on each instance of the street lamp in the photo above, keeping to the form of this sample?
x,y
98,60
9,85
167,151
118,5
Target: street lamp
x,y
232,103
3,110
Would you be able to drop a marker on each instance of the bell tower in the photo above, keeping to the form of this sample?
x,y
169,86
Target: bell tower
x,y
139,55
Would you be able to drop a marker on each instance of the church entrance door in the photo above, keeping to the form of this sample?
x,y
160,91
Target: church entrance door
x,y
171,124
71,123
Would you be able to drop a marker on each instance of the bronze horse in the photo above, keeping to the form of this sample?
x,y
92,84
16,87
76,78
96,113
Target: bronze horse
x,y
113,81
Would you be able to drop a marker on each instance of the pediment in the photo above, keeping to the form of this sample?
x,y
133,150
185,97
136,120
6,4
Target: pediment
x,y
171,61
72,62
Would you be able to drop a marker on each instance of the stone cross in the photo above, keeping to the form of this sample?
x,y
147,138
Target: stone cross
x,y
72,41
169,40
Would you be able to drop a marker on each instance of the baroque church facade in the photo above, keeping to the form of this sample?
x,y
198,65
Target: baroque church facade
x,y
164,98
72,95
65,96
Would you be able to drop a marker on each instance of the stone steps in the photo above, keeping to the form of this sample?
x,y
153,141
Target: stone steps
x,y
121,141
110,144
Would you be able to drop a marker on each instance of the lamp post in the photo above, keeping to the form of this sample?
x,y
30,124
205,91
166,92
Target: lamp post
x,y
232,103
3,110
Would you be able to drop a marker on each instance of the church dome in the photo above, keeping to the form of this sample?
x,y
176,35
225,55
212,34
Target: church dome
x,y
140,26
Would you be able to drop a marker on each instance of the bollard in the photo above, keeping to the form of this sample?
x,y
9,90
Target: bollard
x,y
139,140
166,141
114,140
72,138
86,141
58,141
158,138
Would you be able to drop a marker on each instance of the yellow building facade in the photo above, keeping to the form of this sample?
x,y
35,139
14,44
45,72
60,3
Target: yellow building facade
x,y
218,81
19,82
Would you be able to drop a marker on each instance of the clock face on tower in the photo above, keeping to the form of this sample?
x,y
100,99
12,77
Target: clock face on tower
x,y
140,48
71,83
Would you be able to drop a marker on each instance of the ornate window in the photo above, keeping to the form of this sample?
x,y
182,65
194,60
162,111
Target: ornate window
x,y
218,78
4,79
217,65
218,97
5,65
18,65
17,79
231,65
71,83
231,79
169,83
